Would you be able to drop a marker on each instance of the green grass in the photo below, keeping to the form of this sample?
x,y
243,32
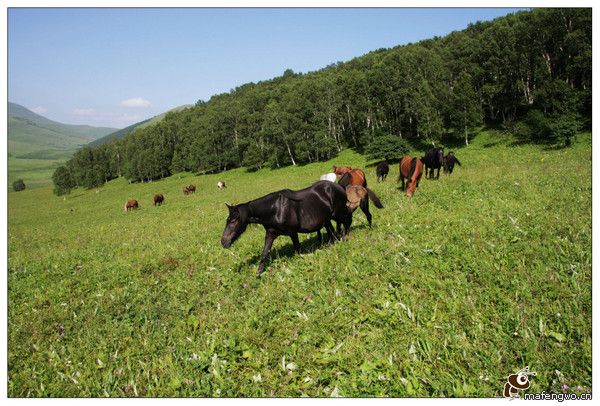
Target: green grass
x,y
35,173
479,274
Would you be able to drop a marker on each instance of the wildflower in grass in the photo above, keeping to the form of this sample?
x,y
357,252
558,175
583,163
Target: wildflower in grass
x,y
565,387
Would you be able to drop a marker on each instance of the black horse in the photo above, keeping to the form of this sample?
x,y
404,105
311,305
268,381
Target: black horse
x,y
449,161
382,170
433,159
289,212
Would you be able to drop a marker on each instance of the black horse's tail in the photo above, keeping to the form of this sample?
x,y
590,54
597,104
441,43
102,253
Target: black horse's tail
x,y
457,161
374,198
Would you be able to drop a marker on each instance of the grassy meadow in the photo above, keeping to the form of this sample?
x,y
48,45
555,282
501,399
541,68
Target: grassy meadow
x,y
478,275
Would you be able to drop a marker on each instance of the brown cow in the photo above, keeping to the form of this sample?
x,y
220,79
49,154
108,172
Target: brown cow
x,y
131,204
158,199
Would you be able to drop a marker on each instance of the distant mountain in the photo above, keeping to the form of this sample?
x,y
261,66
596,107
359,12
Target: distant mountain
x,y
142,124
31,136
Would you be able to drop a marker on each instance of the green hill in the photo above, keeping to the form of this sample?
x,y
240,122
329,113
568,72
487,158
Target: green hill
x,y
31,136
37,145
142,124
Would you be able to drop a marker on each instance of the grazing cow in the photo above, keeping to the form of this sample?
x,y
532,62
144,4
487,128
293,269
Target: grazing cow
x,y
433,159
288,212
382,170
411,169
332,177
221,184
158,199
449,161
131,204
192,188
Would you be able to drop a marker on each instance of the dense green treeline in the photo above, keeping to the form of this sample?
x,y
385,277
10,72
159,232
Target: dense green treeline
x,y
530,72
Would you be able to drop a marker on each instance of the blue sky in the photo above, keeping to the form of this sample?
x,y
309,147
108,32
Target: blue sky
x,y
114,67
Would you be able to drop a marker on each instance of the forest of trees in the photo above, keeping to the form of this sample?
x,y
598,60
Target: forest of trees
x,y
529,72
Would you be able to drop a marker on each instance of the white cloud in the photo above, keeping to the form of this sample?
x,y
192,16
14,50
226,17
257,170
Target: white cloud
x,y
84,112
39,109
135,102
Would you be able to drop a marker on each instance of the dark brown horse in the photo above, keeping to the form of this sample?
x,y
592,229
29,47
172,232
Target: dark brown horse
x,y
131,204
382,170
410,168
289,212
158,199
192,188
449,161
433,159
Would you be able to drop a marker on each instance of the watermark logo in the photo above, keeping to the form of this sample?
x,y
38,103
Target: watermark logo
x,y
517,382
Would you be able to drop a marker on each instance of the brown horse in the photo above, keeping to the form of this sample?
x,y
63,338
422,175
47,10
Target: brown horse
x,y
350,176
158,199
411,169
192,188
186,190
131,204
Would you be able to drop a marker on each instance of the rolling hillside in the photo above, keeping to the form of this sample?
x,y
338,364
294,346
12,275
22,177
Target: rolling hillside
x,y
31,136
37,145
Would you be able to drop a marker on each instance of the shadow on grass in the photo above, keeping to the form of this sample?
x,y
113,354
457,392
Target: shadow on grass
x,y
307,246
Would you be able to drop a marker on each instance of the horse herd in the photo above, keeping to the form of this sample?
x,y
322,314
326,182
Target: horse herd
x,y
158,199
289,212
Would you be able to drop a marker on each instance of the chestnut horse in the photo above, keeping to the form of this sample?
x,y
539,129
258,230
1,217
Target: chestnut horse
x,y
131,204
350,176
158,199
411,169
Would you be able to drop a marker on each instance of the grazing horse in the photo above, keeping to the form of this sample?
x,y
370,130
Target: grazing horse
x,y
353,177
289,212
221,185
359,196
449,161
192,188
411,169
382,170
332,177
158,199
186,190
433,159
131,204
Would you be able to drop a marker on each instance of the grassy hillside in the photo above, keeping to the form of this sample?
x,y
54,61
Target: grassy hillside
x,y
31,136
36,144
142,124
478,275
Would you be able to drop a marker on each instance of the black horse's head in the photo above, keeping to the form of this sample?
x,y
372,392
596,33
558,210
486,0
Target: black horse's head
x,y
234,227
439,155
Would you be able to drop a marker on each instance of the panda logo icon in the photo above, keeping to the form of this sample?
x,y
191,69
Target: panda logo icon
x,y
517,382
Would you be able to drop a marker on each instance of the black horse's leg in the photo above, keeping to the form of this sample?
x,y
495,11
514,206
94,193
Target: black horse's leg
x,y
438,174
269,238
294,237
364,206
330,231
319,237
